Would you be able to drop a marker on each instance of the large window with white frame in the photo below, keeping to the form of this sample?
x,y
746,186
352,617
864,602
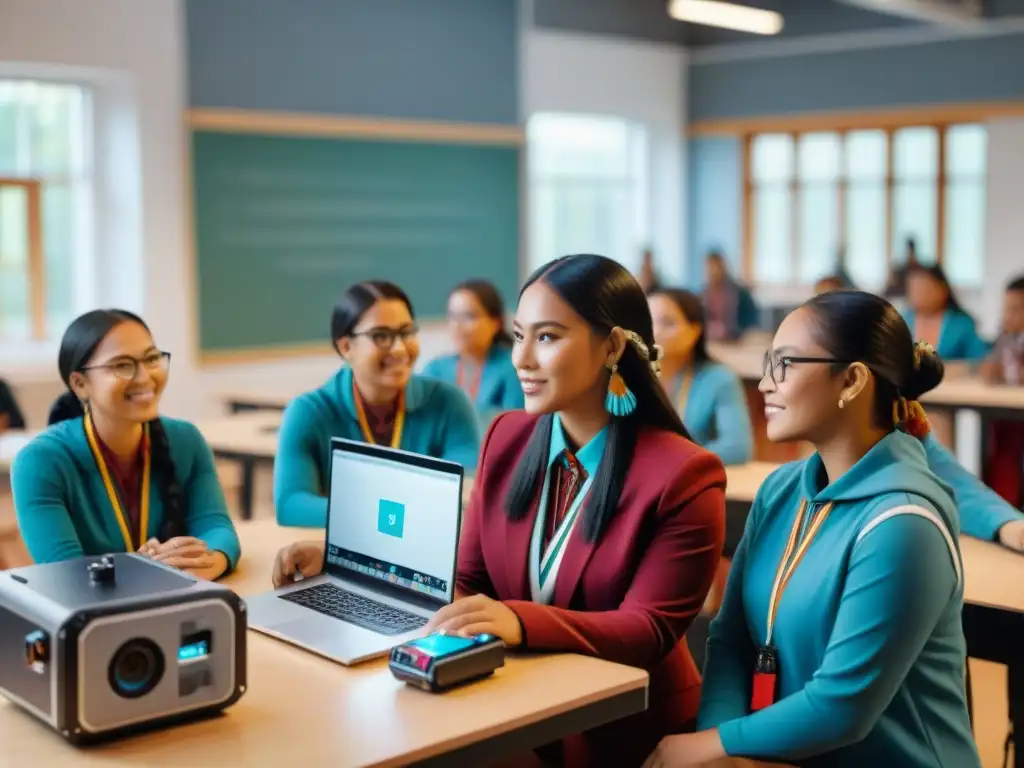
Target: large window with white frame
x,y
863,193
45,203
588,187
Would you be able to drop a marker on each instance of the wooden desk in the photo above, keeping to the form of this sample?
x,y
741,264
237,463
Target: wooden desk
x,y
742,482
257,399
250,439
303,710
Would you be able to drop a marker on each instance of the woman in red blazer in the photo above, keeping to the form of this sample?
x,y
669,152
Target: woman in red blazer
x,y
595,525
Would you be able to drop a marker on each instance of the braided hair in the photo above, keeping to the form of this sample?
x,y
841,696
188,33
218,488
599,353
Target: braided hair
x,y
77,347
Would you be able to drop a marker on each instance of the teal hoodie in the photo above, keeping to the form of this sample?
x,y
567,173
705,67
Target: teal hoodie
x,y
868,633
439,422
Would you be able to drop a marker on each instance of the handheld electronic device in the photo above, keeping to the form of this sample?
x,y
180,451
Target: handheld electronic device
x,y
438,662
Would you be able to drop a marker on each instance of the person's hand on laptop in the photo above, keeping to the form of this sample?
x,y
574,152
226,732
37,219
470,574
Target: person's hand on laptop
x,y
478,615
303,557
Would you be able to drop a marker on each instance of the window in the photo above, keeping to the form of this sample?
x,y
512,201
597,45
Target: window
x,y
45,183
816,197
588,185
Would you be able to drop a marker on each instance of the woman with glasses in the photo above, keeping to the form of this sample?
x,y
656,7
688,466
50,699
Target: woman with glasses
x,y
482,364
839,642
708,396
374,398
110,474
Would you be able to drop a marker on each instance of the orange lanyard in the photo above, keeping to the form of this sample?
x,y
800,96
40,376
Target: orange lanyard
x,y
791,559
472,387
115,500
684,391
396,432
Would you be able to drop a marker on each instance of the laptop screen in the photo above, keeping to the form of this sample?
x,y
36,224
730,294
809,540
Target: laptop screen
x,y
394,519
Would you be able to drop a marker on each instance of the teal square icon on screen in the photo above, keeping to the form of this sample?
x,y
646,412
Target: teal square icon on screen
x,y
391,518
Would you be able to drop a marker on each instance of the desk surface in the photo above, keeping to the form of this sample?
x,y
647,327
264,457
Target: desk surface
x,y
249,434
303,709
971,392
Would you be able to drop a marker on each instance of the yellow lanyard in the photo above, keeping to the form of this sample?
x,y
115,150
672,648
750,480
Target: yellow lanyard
x,y
790,560
396,432
684,391
120,513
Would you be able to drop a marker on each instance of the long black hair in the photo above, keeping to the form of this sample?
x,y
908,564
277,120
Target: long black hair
x,y
605,295
77,347
353,304
862,327
937,273
493,305
693,310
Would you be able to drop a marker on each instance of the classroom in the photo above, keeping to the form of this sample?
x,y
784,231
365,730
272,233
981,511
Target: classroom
x,y
287,193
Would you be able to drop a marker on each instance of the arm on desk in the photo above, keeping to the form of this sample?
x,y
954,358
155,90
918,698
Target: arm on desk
x,y
668,588
299,497
41,504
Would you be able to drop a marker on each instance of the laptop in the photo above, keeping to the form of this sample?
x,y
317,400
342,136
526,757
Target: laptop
x,y
393,520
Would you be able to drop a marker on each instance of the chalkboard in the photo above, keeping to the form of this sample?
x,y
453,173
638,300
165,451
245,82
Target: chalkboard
x,y
283,225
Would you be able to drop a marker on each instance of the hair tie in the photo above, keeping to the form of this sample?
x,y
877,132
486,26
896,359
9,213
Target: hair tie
x,y
910,415
921,348
644,351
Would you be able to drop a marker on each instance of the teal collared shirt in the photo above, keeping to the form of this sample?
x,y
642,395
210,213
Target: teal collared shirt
x,y
439,422
958,336
544,565
499,388
716,413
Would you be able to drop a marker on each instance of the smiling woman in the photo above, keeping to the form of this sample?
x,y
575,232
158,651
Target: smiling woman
x,y
374,398
110,474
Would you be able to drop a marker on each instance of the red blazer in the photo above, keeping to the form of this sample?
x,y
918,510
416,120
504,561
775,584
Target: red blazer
x,y
628,597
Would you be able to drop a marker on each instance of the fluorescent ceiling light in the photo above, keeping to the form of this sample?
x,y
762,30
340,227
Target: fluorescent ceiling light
x,y
714,13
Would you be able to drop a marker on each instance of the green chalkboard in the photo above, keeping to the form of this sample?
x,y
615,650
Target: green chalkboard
x,y
285,224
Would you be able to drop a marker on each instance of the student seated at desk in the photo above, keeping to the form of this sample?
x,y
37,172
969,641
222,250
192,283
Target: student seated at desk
x,y
840,642
708,396
10,413
936,317
110,474
728,304
375,398
482,364
595,525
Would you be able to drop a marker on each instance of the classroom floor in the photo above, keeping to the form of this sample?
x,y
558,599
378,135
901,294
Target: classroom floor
x,y
989,680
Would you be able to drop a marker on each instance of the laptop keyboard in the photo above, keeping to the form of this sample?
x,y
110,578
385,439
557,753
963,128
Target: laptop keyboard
x,y
356,609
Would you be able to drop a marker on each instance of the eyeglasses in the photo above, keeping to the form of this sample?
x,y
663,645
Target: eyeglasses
x,y
384,338
775,367
127,368
463,318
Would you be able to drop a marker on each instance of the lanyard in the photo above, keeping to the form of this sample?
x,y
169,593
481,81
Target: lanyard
x,y
115,500
472,386
396,432
684,391
791,559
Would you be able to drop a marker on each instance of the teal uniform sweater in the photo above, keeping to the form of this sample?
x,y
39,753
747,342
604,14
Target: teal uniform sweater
x,y
716,414
62,505
439,422
499,389
868,633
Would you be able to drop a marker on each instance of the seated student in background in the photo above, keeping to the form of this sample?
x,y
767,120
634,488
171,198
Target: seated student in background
x,y
10,413
1004,365
728,305
482,363
374,398
595,525
708,396
936,317
840,640
112,475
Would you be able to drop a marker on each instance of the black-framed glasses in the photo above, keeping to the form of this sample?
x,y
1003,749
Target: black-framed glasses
x,y
384,338
775,366
127,368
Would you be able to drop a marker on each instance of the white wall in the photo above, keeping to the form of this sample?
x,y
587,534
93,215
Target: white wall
x,y
131,53
639,81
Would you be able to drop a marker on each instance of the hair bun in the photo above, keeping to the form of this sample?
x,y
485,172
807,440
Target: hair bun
x,y
65,408
926,372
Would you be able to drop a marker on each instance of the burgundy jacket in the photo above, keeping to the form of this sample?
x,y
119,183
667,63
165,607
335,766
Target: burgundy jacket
x,y
630,596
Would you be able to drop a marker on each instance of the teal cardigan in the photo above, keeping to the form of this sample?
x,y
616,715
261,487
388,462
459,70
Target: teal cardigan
x,y
868,633
982,511
62,505
499,389
716,415
958,336
439,422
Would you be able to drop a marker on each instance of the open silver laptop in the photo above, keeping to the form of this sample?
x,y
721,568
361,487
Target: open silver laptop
x,y
393,521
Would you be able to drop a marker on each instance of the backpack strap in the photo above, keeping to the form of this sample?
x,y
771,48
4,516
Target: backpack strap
x,y
927,514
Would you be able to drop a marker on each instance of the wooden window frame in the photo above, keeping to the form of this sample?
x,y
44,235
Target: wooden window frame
x,y
36,254
749,188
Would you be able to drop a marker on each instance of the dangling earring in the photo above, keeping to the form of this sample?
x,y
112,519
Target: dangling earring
x,y
842,403
619,401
